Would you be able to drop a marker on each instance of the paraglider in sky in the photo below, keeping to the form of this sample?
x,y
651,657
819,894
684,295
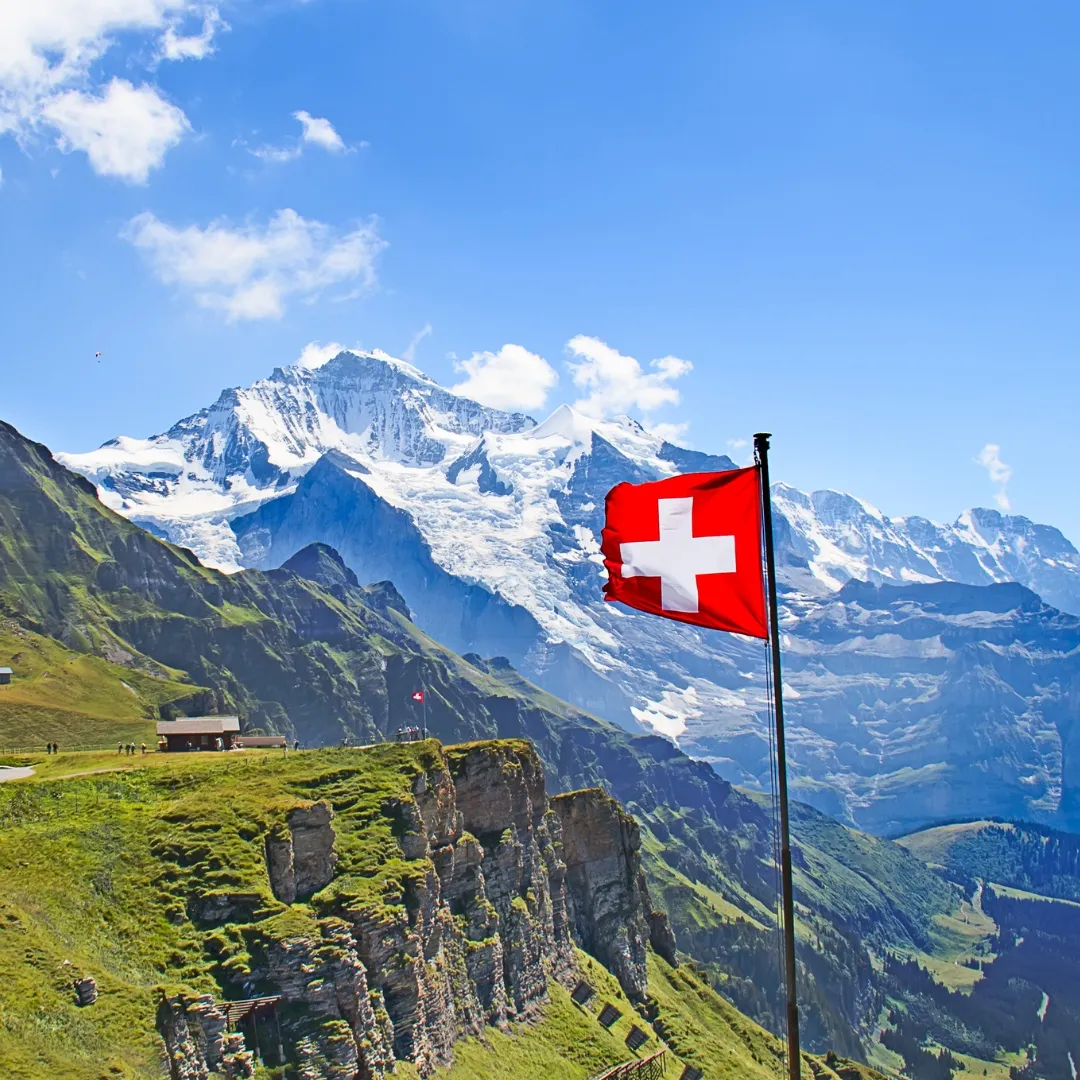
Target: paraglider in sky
x,y
98,355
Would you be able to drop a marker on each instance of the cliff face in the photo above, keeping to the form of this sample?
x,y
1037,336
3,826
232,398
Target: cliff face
x,y
610,909
497,886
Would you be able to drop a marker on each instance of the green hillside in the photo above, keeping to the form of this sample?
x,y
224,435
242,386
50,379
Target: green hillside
x,y
306,652
1014,997
1020,855
100,875
75,699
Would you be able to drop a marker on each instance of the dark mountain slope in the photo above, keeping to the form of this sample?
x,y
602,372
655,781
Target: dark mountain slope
x,y
307,651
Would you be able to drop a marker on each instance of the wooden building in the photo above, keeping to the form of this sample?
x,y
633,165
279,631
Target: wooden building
x,y
5,675
199,733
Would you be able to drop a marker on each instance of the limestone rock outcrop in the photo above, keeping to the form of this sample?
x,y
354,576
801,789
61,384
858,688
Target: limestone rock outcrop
x,y
193,1030
607,896
300,857
502,883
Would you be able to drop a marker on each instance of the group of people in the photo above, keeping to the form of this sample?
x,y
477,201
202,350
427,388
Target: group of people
x,y
128,748
52,748
411,734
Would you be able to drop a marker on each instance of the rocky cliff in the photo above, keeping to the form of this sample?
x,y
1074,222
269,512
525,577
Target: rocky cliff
x,y
492,887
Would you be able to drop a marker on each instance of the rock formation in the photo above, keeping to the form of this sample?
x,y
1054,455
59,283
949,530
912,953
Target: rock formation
x,y
609,903
193,1029
501,885
86,991
300,859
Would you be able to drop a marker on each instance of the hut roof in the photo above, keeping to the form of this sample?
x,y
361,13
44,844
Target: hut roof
x,y
199,725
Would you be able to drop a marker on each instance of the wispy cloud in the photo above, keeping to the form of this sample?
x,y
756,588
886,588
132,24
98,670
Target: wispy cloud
x,y
512,378
673,433
49,81
125,132
314,354
250,271
317,131
615,383
175,45
410,351
1000,473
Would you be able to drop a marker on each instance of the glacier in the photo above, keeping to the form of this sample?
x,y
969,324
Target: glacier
x,y
489,524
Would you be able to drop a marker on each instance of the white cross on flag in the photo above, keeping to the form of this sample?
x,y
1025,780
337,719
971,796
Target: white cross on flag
x,y
689,548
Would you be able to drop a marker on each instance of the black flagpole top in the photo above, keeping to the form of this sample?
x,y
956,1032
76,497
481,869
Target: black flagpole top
x,y
761,446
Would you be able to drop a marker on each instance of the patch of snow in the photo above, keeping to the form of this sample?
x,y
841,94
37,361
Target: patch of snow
x,y
669,715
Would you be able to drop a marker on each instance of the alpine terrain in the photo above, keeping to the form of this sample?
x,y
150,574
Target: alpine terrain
x,y
375,889
930,669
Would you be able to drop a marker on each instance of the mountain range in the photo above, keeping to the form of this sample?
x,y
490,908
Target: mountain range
x,y
930,669
108,627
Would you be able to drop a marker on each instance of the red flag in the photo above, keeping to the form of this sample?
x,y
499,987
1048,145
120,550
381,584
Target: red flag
x,y
689,548
418,695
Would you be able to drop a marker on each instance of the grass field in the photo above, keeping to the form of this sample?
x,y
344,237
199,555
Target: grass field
x,y
75,699
98,854
930,845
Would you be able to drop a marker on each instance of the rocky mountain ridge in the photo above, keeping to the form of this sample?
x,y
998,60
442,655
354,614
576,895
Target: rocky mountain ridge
x,y
488,525
489,912
306,650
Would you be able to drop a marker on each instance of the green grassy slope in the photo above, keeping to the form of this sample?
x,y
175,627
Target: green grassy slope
x,y
319,658
97,874
1020,855
1008,994
75,699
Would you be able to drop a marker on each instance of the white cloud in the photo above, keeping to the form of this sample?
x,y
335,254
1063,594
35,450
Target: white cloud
x,y
277,154
48,61
990,459
320,132
176,46
125,132
250,271
317,131
314,355
674,433
410,352
512,378
616,383
738,444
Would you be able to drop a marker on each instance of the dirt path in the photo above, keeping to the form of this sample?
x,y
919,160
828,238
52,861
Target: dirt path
x,y
13,772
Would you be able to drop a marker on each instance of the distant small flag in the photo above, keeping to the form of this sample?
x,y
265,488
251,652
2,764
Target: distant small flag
x,y
418,695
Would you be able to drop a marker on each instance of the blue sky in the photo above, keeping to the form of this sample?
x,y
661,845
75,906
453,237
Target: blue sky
x,y
857,222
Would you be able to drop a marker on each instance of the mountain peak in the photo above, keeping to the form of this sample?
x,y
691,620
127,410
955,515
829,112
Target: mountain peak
x,y
356,361
566,423
322,564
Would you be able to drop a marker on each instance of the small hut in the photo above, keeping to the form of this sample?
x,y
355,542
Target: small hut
x,y
5,675
199,733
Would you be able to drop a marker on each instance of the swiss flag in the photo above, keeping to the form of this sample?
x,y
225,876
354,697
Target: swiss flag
x,y
689,548
418,695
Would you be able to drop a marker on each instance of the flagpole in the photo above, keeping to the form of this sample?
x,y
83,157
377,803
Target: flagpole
x,y
761,451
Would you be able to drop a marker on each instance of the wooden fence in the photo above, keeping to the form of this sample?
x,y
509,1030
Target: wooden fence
x,y
652,1067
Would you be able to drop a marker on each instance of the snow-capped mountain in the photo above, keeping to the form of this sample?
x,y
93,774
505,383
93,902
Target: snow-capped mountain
x,y
844,538
489,525
256,441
